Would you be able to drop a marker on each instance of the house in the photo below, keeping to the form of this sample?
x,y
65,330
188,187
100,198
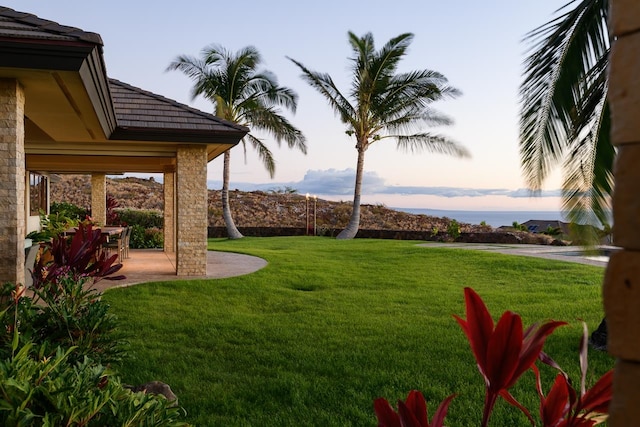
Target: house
x,y
60,113
542,226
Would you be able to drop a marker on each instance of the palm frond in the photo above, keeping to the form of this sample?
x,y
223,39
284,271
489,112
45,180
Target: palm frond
x,y
429,142
563,52
268,119
264,154
324,84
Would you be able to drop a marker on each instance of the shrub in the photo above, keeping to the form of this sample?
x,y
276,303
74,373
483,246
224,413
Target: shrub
x,y
453,229
146,230
50,377
81,257
112,217
142,238
53,225
68,210
146,219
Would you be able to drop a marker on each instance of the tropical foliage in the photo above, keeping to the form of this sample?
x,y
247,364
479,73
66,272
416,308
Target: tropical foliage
x,y
244,95
565,116
58,344
503,353
385,104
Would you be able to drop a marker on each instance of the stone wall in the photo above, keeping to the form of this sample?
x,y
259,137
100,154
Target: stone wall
x,y
12,182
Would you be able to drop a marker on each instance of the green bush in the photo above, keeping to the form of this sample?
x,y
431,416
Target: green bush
x,y
149,238
52,225
68,210
50,374
147,228
453,229
146,219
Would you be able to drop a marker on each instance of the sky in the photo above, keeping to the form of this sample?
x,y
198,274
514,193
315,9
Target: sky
x,y
478,46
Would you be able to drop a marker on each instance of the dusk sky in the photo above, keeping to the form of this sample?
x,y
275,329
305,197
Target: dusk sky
x,y
478,46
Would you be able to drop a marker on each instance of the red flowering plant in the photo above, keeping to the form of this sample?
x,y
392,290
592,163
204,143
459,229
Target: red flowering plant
x,y
504,352
411,413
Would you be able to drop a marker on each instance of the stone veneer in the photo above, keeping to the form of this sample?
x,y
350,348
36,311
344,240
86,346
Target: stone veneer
x,y
622,278
12,182
191,211
99,198
169,211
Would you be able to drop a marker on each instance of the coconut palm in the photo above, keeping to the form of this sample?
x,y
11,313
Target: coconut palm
x,y
244,95
564,115
383,104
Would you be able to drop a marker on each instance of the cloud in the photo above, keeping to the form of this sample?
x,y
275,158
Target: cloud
x,y
333,182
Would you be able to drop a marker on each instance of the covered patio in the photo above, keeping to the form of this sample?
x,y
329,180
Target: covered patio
x,y
153,265
61,114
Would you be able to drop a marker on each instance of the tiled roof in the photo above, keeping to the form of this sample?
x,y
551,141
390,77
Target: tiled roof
x,y
136,108
14,24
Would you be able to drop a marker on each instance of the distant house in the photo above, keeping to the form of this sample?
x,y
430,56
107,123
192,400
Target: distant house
x,y
541,226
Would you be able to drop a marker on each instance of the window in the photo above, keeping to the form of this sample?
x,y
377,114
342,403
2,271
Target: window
x,y
38,193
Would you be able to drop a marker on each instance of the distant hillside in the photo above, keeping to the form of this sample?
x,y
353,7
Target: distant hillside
x,y
252,209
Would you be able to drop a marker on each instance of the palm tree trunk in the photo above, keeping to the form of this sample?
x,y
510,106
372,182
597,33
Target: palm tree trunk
x,y
232,230
354,223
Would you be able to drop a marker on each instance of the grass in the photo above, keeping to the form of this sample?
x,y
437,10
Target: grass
x,y
328,326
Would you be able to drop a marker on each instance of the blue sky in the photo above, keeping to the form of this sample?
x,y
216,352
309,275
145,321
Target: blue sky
x,y
477,45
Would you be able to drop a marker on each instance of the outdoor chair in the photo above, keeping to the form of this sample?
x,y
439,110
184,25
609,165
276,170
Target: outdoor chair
x,y
125,241
115,244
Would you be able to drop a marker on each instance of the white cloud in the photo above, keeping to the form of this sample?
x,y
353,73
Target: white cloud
x,y
333,182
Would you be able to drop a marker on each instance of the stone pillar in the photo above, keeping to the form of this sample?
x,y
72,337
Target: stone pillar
x,y
12,182
169,210
99,198
622,278
191,211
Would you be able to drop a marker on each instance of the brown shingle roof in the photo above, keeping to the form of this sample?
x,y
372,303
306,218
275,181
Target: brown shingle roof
x,y
14,24
139,110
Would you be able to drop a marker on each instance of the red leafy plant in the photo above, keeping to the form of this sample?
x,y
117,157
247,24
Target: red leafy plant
x,y
81,257
411,413
504,352
564,407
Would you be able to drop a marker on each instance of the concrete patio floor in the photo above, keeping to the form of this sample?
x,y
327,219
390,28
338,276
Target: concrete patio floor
x,y
154,265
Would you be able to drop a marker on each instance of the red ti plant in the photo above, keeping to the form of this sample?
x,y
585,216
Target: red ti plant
x,y
564,407
411,413
502,353
81,257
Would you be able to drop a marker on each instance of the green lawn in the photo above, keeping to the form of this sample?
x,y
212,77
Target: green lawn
x,y
328,326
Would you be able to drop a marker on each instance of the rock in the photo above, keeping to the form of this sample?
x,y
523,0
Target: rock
x,y
598,338
156,387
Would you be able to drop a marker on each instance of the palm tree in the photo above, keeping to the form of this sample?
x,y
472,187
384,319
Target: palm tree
x,y
241,94
565,115
384,104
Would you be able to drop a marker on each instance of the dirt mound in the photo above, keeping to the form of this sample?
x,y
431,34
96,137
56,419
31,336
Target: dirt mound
x,y
256,208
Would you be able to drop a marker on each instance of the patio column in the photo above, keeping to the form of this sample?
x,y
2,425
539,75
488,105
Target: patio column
x,y
191,211
169,209
622,278
12,182
99,198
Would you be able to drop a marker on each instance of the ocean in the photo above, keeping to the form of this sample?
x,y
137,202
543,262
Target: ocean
x,y
492,218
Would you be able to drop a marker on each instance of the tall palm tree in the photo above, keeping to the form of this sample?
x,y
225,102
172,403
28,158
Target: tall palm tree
x,y
244,95
564,114
384,104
